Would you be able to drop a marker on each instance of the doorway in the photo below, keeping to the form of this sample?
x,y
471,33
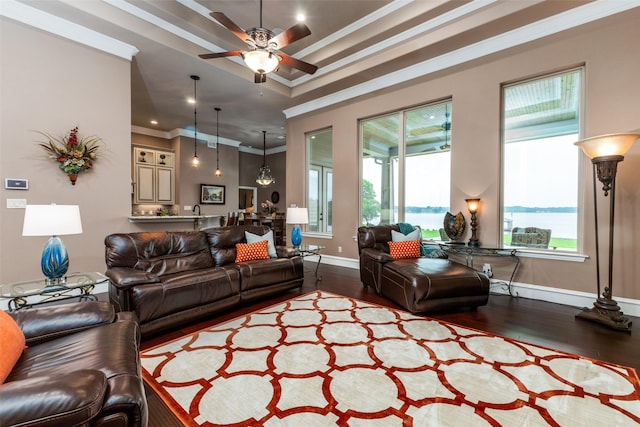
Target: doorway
x,y
246,198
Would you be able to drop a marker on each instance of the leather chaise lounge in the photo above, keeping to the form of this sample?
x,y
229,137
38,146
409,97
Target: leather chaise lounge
x,y
172,278
418,284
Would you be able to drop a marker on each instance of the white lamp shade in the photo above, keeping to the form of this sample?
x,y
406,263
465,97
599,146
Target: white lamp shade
x,y
51,220
615,144
297,216
261,61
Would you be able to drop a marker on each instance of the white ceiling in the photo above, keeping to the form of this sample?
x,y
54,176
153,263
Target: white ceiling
x,y
360,46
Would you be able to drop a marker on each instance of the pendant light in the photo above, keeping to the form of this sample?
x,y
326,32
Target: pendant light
x,y
218,171
264,177
195,161
446,128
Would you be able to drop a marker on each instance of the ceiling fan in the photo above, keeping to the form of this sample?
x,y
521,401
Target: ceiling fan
x,y
263,55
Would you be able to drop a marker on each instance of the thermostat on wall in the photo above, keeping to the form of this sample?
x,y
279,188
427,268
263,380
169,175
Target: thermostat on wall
x,y
16,184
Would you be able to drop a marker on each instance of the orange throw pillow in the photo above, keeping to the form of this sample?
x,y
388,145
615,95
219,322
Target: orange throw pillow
x,y
407,249
252,251
11,344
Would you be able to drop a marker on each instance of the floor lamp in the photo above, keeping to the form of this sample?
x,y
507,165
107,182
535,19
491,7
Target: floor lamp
x,y
606,152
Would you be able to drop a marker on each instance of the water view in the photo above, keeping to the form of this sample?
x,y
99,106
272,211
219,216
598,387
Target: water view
x,y
562,225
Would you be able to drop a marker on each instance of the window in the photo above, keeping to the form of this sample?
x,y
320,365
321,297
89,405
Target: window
x,y
541,120
406,167
320,181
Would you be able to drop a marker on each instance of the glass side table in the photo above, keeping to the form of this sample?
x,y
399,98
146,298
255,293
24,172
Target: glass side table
x,y
470,252
74,285
305,251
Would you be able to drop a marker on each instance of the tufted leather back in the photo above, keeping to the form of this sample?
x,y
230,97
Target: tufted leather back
x,y
161,253
222,241
376,237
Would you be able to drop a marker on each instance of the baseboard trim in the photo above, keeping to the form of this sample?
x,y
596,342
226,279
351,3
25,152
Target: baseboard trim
x,y
578,299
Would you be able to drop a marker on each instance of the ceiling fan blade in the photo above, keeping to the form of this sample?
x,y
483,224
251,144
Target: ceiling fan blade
x,y
259,78
291,35
230,25
221,54
292,62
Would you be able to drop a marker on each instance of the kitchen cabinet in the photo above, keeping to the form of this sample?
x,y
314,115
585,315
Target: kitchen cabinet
x,y
153,176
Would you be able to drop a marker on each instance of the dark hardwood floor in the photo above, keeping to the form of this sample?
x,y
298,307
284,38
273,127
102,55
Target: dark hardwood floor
x,y
542,323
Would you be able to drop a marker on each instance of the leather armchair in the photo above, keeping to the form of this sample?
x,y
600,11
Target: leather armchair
x,y
81,368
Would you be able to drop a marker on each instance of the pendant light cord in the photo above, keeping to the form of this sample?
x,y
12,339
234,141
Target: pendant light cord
x,y
195,115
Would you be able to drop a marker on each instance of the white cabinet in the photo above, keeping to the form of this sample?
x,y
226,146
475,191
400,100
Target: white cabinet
x,y
153,176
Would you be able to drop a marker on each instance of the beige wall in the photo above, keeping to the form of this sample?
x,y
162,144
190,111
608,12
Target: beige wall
x,y
53,84
612,56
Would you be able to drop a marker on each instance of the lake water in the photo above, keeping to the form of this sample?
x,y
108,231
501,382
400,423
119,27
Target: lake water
x,y
561,224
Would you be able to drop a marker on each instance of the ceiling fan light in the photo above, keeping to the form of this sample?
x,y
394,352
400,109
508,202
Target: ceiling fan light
x,y
261,61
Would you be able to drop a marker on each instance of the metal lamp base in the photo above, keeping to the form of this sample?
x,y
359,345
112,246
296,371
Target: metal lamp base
x,y
606,312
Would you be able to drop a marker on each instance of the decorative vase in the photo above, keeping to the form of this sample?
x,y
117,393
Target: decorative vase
x,y
73,177
454,226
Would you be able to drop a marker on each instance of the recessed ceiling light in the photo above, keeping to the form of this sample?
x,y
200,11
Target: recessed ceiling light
x,y
154,122
300,17
191,100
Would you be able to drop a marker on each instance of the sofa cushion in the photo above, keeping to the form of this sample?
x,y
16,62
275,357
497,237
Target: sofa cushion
x,y
271,247
405,249
251,251
158,252
11,344
397,236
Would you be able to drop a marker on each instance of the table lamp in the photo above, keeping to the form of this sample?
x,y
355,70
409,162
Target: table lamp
x,y
297,216
52,220
473,205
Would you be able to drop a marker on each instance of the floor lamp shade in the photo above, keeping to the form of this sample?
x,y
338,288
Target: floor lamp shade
x,y
297,216
54,221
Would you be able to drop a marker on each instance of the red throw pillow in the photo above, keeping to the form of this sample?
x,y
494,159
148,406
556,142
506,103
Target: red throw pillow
x,y
252,251
11,344
406,249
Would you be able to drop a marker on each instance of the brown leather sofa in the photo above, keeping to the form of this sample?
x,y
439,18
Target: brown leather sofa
x,y
80,368
417,284
171,278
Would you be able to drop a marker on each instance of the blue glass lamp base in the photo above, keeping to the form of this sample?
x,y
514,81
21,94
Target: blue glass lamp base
x,y
296,236
55,260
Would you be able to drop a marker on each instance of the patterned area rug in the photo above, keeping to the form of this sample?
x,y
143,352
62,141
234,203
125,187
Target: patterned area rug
x,y
325,360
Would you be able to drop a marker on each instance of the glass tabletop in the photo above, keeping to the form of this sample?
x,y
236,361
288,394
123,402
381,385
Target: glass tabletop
x,y
42,286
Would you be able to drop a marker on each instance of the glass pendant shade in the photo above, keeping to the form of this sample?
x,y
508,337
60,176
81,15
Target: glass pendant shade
x,y
261,61
52,220
264,177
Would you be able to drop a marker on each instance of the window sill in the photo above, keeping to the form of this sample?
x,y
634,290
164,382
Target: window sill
x,y
317,235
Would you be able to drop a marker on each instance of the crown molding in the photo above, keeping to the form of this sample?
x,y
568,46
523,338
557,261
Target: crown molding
x,y
61,27
174,133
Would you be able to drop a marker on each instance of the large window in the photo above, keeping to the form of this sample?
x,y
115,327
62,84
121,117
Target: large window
x,y
406,167
320,180
541,120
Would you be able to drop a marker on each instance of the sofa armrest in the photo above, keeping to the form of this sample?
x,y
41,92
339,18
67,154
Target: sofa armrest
x,y
60,400
46,323
285,252
126,277
376,255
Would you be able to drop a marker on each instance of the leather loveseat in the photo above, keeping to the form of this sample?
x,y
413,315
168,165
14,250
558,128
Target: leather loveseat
x,y
80,368
171,278
418,284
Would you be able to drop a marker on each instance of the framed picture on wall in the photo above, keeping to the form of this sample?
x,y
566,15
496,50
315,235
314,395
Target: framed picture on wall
x,y
212,194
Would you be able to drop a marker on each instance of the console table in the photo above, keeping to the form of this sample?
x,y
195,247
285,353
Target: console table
x,y
74,285
471,252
